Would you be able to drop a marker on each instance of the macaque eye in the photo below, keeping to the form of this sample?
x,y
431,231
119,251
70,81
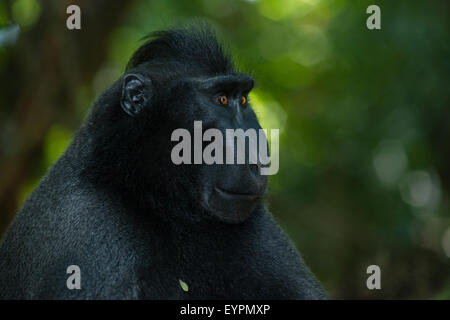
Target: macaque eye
x,y
222,99
243,100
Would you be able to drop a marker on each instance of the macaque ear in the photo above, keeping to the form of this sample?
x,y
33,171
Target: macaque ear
x,y
136,93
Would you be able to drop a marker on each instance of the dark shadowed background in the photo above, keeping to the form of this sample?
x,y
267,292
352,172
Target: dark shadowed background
x,y
364,118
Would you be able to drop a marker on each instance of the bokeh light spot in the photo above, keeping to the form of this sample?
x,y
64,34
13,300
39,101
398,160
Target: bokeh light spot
x,y
26,12
421,190
389,161
312,46
270,114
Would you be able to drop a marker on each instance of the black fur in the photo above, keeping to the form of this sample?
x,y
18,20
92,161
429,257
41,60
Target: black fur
x,y
136,224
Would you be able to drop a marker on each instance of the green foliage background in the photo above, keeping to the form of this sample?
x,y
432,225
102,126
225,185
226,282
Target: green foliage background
x,y
364,120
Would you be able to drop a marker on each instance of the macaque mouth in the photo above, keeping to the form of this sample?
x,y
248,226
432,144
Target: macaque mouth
x,y
238,195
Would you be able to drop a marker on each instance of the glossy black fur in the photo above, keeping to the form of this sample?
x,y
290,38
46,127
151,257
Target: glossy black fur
x,y
116,206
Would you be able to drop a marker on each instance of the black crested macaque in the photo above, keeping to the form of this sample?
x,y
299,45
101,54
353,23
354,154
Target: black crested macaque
x,y
136,224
